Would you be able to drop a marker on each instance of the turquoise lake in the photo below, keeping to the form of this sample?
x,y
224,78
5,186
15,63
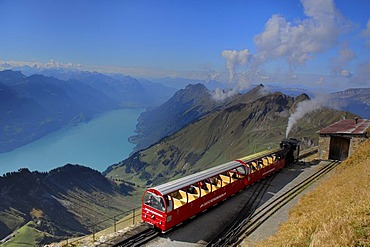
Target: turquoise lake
x,y
101,142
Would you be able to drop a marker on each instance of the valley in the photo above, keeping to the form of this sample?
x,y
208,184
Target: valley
x,y
185,134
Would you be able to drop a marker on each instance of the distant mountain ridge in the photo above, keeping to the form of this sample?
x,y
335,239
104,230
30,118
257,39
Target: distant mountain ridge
x,y
356,100
33,106
128,91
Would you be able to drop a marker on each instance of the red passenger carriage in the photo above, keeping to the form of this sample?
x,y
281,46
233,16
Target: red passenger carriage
x,y
169,204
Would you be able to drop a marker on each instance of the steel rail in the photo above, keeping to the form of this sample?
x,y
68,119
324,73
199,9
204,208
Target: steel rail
x,y
248,209
138,239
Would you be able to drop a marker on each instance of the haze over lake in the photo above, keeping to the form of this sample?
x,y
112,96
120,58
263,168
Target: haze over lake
x,y
98,143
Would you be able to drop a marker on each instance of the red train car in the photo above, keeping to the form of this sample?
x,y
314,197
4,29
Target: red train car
x,y
167,205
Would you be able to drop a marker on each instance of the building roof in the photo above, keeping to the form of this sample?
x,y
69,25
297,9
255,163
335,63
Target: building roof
x,y
347,126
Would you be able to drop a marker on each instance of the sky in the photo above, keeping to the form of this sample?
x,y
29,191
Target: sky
x,y
315,42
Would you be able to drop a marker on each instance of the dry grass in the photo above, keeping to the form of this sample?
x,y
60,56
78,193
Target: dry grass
x,y
336,213
36,213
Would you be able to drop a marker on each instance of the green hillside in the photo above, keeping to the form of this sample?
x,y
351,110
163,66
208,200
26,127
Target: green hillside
x,y
68,201
250,123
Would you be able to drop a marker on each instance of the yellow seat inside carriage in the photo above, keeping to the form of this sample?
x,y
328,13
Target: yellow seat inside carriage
x,y
177,202
209,187
236,175
253,166
270,159
266,162
225,179
179,198
202,192
194,196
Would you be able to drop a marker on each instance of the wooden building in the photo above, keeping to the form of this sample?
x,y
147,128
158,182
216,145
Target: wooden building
x,y
339,140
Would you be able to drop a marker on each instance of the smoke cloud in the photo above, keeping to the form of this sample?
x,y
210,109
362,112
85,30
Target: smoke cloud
x,y
303,108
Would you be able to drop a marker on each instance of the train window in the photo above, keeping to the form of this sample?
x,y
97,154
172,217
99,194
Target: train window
x,y
154,201
203,185
215,182
254,166
259,164
238,172
191,190
176,195
168,202
241,170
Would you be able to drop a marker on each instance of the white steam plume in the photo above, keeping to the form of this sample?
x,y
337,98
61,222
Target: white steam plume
x,y
302,109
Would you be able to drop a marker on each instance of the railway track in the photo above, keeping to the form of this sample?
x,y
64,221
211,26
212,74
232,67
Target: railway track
x,y
251,205
246,226
229,234
138,239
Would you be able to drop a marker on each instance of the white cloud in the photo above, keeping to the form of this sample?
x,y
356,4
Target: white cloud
x,y
221,95
321,80
234,59
40,65
341,62
294,42
300,41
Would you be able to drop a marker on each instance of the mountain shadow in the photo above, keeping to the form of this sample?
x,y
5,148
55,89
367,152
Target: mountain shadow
x,y
67,201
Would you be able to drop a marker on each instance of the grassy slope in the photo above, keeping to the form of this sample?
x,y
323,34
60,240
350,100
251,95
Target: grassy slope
x,y
68,201
87,210
243,128
336,213
27,235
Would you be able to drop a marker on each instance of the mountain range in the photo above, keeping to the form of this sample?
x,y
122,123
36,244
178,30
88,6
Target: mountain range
x,y
355,100
245,124
195,101
184,107
36,105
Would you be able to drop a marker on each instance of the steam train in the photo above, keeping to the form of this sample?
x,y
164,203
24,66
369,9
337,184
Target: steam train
x,y
167,205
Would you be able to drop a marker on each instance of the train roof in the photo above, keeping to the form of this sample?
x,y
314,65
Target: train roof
x,y
184,182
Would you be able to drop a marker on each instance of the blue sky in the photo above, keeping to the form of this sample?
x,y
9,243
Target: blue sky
x,y
322,37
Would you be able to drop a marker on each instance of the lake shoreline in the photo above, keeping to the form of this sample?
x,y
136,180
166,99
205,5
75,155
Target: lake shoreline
x,y
97,143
